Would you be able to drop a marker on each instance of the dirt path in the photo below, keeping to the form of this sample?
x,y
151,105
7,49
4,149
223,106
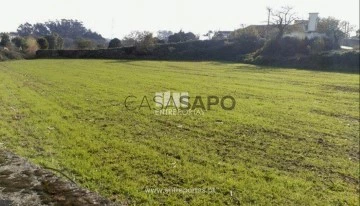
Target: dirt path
x,y
22,183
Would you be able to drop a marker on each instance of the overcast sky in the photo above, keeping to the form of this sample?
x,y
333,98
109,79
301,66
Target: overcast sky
x,y
116,18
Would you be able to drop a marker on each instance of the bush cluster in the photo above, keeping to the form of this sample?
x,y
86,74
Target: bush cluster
x,y
289,46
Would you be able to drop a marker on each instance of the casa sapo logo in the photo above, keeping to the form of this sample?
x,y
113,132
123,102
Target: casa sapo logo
x,y
179,103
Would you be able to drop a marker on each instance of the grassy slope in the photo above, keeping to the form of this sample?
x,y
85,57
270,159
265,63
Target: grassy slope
x,y
292,139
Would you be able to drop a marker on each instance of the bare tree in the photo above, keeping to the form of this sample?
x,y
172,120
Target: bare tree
x,y
282,18
335,29
347,28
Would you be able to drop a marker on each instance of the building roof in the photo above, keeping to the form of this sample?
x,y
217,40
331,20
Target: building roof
x,y
301,21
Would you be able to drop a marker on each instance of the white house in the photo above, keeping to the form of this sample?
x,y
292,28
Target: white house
x,y
306,28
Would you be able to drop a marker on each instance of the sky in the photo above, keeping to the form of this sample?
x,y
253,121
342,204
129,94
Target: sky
x,y
116,18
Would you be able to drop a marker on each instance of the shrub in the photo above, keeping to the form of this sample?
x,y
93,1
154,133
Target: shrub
x,y
249,42
19,42
270,48
55,41
146,44
5,40
291,46
31,47
43,43
101,46
329,60
321,44
114,43
182,37
286,47
347,59
84,44
318,45
9,55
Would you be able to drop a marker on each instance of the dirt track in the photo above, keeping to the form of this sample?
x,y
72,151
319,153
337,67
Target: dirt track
x,y
22,183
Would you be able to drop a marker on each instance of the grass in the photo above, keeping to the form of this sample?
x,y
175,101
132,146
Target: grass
x,y
293,138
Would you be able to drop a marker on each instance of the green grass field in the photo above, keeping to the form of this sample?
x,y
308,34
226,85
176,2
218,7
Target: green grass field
x,y
293,138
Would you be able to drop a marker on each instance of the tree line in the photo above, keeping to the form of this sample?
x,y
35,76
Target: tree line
x,y
72,34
